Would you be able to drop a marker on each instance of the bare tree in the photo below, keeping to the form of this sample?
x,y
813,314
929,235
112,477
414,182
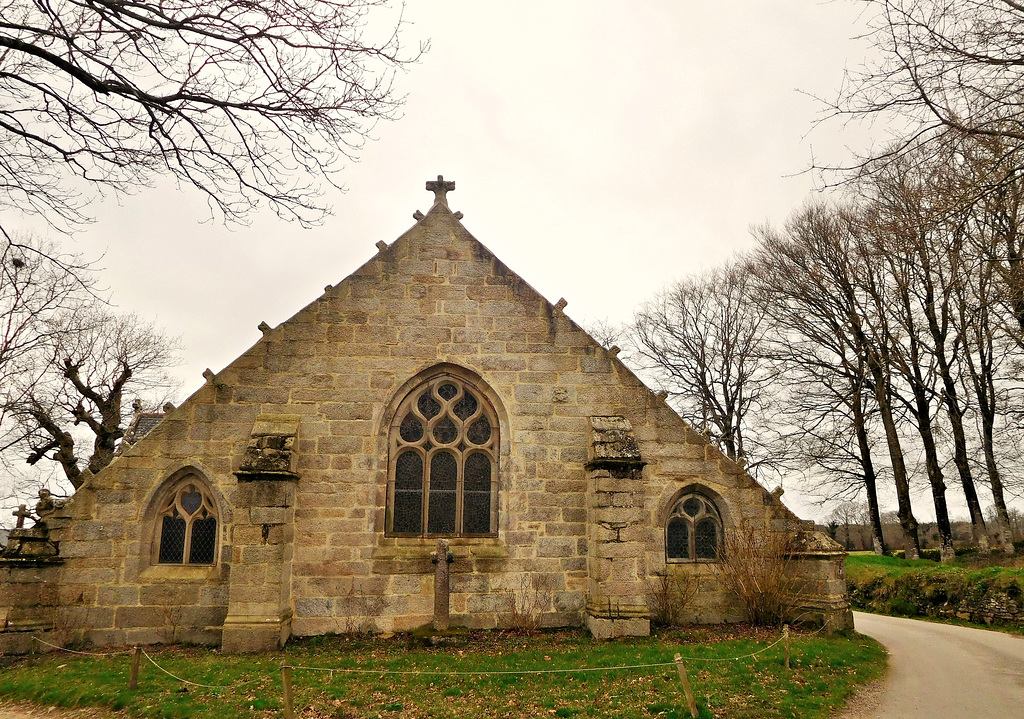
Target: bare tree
x,y
38,282
845,514
992,292
606,333
233,97
701,340
808,277
944,65
94,359
905,224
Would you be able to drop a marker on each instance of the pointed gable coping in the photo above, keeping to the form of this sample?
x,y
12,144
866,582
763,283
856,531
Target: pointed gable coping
x,y
440,222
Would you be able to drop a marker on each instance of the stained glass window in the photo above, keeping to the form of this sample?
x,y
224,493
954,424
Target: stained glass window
x,y
172,540
187,527
693,532
706,539
677,539
443,472
408,511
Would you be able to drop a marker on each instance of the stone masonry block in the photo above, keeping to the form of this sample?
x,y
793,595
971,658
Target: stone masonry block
x,y
269,515
262,493
175,594
556,546
113,595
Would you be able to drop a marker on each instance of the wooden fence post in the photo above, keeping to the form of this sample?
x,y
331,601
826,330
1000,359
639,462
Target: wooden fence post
x,y
133,676
785,638
691,703
286,683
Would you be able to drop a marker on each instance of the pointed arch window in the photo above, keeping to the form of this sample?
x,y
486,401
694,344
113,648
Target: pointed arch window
x,y
693,532
443,470
187,526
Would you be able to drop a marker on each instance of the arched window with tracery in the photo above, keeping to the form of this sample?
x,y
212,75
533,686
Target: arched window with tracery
x,y
187,525
443,470
693,532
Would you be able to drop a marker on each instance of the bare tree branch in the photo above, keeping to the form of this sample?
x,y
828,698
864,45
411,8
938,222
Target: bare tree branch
x,y
237,98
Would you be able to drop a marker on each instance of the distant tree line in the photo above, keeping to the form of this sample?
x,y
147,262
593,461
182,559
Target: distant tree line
x,y
876,340
873,340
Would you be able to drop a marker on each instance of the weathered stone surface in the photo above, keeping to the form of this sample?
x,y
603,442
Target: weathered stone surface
x,y
588,464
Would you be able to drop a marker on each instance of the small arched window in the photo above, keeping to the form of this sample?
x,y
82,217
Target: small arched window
x,y
187,526
443,472
693,532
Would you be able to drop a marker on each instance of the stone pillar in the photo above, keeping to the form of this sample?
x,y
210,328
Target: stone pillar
x,y
259,595
29,575
818,571
616,532
442,560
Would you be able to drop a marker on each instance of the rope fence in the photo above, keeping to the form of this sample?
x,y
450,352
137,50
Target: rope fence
x,y
86,654
678,661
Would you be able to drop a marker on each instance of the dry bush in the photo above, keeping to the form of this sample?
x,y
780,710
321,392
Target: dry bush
x,y
357,611
523,606
755,567
171,616
668,596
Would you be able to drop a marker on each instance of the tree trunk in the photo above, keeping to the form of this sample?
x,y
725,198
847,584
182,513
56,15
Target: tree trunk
x,y
868,469
939,333
912,544
880,385
938,487
960,457
1004,536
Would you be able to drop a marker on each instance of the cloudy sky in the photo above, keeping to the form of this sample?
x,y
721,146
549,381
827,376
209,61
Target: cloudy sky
x,y
601,149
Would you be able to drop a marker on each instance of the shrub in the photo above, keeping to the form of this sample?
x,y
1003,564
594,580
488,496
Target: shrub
x,y
755,567
668,595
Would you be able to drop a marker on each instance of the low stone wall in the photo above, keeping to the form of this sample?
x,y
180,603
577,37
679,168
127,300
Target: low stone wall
x,y
950,594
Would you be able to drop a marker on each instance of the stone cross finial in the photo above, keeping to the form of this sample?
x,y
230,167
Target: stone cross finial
x,y
22,514
441,188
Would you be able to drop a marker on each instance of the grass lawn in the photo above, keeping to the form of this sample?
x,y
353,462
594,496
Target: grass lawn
x,y
825,672
861,565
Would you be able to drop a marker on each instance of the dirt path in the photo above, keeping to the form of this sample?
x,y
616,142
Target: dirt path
x,y
17,710
939,670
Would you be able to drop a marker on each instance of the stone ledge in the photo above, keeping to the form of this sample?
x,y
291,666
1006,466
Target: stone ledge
x,y
17,562
414,548
179,572
611,609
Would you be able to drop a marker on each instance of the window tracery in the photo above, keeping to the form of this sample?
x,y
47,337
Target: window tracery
x,y
444,462
693,532
187,526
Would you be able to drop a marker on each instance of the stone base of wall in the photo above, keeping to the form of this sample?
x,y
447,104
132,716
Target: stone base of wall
x,y
834,615
28,600
12,643
602,628
246,636
609,621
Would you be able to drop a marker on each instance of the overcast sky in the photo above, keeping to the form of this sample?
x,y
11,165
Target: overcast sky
x,y
600,149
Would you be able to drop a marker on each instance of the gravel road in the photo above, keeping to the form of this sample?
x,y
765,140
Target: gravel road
x,y
939,670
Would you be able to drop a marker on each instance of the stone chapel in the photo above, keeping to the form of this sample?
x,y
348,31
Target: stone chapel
x,y
433,394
